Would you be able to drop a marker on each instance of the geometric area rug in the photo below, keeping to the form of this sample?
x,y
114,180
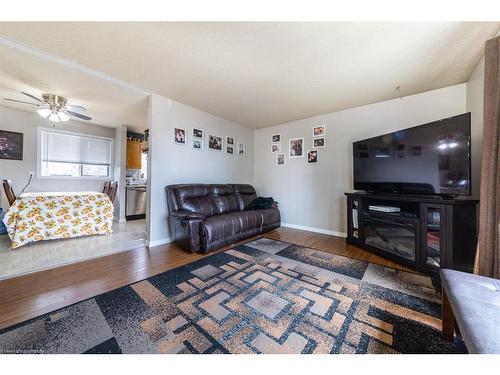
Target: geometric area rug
x,y
264,296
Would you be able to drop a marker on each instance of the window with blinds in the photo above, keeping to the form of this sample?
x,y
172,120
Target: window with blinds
x,y
65,154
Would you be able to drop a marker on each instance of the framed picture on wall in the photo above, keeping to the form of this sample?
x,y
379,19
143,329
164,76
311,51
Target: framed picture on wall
x,y
319,142
312,157
230,150
280,158
180,136
198,133
240,148
275,147
230,141
11,145
319,131
197,144
215,143
276,138
296,147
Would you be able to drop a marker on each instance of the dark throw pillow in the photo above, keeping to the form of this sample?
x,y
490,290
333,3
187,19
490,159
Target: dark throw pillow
x,y
261,203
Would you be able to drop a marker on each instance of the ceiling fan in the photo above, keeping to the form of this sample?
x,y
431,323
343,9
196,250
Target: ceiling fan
x,y
54,107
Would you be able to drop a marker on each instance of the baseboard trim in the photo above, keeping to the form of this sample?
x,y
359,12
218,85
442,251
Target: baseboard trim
x,y
159,242
316,230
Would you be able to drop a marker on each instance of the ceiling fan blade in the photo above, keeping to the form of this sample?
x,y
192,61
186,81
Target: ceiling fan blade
x,y
74,114
33,97
78,108
20,101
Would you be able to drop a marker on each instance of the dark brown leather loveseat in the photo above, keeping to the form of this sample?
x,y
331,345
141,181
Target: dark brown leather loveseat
x,y
206,217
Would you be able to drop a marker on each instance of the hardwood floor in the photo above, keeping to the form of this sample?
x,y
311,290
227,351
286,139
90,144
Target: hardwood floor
x,y
29,296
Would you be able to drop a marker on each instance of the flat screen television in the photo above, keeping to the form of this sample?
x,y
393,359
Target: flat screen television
x,y
428,159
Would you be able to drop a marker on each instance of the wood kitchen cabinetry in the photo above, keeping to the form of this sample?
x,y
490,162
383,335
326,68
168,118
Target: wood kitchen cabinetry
x,y
133,154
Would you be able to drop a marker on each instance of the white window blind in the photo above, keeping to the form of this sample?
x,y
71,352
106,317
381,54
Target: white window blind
x,y
74,155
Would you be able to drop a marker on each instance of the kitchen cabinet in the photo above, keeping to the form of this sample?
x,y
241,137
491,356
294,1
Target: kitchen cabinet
x,y
133,155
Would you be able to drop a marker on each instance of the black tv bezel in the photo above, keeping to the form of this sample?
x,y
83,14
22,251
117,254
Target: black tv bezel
x,y
402,188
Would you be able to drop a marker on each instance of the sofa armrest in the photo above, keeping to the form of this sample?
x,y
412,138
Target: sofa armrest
x,y
187,215
186,229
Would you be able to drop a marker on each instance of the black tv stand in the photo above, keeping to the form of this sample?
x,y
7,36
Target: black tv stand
x,y
428,233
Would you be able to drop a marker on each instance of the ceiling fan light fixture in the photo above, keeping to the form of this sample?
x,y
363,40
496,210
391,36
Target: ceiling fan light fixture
x,y
63,116
44,112
54,117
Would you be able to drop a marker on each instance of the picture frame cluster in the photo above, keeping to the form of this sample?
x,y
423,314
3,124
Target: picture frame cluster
x,y
229,145
296,146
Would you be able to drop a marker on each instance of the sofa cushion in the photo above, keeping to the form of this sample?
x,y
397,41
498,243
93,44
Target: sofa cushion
x,y
225,198
246,194
475,301
249,219
269,216
196,198
220,226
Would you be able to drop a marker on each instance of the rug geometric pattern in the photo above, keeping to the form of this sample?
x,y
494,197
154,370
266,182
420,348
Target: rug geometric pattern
x,y
288,299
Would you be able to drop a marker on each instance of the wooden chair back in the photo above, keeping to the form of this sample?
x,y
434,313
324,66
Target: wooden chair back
x,y
105,189
113,188
9,191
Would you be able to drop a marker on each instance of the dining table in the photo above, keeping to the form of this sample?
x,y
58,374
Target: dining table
x,y
56,215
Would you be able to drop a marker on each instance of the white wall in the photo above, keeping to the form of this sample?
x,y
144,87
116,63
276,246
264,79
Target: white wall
x,y
171,163
18,171
120,167
312,196
475,105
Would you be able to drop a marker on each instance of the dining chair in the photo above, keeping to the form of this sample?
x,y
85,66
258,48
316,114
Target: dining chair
x,y
105,189
113,188
9,191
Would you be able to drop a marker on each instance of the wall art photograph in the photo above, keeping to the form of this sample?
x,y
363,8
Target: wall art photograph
x,y
296,147
276,138
197,144
230,150
230,141
319,142
240,147
280,159
319,131
11,145
215,143
312,157
180,136
198,133
276,147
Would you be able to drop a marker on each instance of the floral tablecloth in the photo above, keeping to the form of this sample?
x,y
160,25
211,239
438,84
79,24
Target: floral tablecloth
x,y
48,216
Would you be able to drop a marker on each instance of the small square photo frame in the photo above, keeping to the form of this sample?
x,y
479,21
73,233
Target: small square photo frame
x,y
276,138
179,136
198,144
215,143
280,159
319,131
198,133
312,156
275,147
230,149
230,141
319,142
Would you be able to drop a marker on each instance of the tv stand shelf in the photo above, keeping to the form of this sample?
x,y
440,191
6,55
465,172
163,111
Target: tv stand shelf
x,y
428,233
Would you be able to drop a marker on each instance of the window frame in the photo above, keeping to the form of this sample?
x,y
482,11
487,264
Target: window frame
x,y
86,178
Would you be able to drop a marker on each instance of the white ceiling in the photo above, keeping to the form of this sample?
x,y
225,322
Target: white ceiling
x,y
107,103
256,74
